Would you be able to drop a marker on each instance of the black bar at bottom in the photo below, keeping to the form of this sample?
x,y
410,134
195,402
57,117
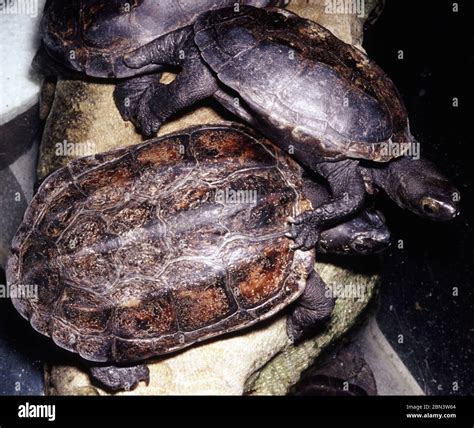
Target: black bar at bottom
x,y
450,411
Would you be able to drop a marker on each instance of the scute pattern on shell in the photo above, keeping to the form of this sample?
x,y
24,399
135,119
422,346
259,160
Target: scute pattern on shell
x,y
135,256
91,36
304,83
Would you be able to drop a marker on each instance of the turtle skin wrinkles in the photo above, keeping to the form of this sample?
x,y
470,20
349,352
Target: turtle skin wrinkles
x,y
91,36
135,256
302,84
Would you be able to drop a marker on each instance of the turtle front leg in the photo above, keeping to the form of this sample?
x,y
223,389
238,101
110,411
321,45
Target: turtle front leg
x,y
348,194
312,308
117,378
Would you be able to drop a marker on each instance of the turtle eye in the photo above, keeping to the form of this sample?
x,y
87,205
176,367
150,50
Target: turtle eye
x,y
360,248
381,216
428,209
429,206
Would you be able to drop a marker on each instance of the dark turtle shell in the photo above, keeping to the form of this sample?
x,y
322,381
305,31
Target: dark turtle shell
x,y
304,84
91,36
148,249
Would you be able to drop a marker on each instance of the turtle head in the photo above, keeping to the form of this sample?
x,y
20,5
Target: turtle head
x,y
362,235
422,189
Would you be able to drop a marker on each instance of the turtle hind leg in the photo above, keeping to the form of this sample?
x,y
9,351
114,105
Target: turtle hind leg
x,y
118,378
312,308
129,92
194,83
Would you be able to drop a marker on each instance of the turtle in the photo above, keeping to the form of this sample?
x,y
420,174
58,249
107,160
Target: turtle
x,y
319,99
148,249
342,373
364,233
89,37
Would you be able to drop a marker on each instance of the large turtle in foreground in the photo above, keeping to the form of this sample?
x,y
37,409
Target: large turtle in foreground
x,y
319,99
149,249
91,36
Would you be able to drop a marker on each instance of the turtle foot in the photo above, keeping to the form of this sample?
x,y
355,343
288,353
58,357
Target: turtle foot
x,y
305,230
147,121
311,310
121,378
128,93
134,100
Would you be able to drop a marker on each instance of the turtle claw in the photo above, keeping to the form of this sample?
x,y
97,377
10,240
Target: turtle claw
x,y
146,121
304,231
305,241
150,129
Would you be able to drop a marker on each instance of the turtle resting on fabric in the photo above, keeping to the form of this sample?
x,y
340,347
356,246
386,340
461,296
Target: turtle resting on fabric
x,y
90,37
149,249
318,98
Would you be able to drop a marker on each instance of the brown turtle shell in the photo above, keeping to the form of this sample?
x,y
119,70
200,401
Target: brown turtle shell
x,y
148,249
91,36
